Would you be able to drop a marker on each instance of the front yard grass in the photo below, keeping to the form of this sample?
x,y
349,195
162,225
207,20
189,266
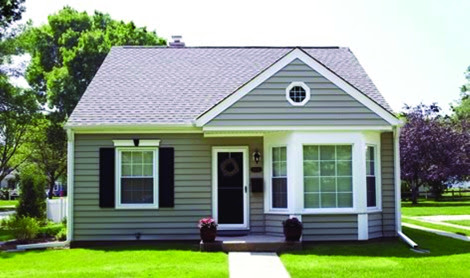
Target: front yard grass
x,y
459,222
8,203
436,226
448,258
134,261
428,207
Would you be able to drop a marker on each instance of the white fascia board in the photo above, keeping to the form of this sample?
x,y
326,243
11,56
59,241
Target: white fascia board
x,y
296,128
315,65
126,129
233,134
142,143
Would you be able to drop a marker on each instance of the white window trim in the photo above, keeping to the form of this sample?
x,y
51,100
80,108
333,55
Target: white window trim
x,y
378,179
298,84
270,181
351,209
119,204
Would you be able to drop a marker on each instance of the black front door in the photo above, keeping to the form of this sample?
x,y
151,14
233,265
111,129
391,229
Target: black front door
x,y
230,191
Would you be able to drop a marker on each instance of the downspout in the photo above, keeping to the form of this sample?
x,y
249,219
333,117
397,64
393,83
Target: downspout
x,y
396,144
70,181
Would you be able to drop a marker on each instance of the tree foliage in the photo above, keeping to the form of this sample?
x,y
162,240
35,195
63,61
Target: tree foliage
x,y
462,109
434,151
32,202
10,11
67,52
17,106
49,150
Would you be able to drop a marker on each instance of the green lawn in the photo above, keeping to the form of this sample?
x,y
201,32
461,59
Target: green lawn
x,y
448,258
424,208
437,226
459,222
8,203
137,261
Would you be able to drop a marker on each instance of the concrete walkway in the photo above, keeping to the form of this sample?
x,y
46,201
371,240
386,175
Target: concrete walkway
x,y
6,214
437,232
254,264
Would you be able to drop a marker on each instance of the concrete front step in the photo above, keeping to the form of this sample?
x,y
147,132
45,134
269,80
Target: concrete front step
x,y
250,243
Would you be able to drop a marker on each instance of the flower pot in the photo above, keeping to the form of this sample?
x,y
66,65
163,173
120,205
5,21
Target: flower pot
x,y
292,233
208,234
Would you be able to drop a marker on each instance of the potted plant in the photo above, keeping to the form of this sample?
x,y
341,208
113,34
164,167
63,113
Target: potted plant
x,y
292,229
207,229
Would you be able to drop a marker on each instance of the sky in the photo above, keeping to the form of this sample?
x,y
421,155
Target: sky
x,y
414,51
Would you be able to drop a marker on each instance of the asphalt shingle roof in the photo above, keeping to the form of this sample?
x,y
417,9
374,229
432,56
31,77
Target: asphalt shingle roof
x,y
161,85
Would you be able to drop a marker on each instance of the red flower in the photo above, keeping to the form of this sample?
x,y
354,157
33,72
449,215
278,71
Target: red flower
x,y
207,222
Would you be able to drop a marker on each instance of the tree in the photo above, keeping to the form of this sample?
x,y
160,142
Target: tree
x,y
10,11
67,52
462,108
50,151
32,202
433,150
15,120
17,107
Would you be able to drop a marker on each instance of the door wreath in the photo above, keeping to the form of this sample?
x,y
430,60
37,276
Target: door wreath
x,y
229,167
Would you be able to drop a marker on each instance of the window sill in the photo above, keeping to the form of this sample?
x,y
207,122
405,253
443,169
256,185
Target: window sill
x,y
374,210
330,211
149,207
278,211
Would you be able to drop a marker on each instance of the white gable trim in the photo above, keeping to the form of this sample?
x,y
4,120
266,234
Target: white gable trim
x,y
274,68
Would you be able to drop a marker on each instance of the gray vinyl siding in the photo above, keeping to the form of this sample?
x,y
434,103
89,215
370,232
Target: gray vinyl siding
x,y
266,105
193,187
329,227
375,225
388,185
274,223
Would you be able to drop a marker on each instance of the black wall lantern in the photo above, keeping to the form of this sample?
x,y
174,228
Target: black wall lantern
x,y
256,156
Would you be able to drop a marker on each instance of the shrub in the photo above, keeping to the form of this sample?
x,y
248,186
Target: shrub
x,y
51,229
62,234
32,202
24,229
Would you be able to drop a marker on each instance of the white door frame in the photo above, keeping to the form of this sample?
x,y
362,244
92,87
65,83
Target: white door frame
x,y
246,200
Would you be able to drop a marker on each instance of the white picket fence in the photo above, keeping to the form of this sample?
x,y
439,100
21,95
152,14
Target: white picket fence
x,y
57,209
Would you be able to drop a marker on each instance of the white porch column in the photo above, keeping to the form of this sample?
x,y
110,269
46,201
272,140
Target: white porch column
x,y
295,174
360,188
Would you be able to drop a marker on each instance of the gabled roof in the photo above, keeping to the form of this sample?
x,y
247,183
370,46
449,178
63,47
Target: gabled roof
x,y
172,86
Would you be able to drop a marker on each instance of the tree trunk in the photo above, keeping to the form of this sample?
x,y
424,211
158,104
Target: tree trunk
x,y
414,192
51,189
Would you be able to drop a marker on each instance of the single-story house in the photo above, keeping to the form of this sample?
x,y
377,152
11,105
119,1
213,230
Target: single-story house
x,y
164,136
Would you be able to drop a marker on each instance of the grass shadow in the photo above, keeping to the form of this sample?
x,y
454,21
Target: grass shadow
x,y
436,204
392,247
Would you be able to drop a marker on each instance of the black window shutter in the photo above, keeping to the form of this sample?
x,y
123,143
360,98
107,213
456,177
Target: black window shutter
x,y
166,182
107,178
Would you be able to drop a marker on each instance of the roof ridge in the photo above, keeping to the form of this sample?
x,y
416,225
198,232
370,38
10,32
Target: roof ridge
x,y
226,47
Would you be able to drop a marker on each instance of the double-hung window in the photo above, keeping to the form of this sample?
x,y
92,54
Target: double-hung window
x,y
279,178
327,176
371,177
137,177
